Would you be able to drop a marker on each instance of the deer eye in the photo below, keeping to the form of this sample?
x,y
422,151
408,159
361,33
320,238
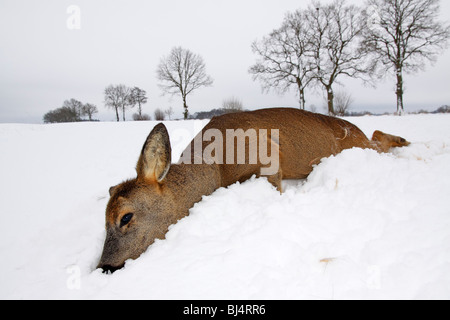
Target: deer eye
x,y
125,219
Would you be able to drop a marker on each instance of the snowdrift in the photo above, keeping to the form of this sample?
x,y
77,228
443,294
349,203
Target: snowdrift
x,y
363,225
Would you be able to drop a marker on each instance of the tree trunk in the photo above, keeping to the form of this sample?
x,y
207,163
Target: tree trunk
x,y
399,92
301,91
123,113
139,110
186,111
330,100
302,99
117,114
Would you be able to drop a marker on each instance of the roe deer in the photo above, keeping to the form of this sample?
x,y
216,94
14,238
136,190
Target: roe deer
x,y
142,209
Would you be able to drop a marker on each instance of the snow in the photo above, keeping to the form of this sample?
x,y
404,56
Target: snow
x,y
362,226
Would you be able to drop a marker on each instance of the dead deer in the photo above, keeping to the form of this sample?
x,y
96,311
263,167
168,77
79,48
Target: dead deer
x,y
141,210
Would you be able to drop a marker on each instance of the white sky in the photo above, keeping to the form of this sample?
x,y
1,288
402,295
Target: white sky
x,y
43,63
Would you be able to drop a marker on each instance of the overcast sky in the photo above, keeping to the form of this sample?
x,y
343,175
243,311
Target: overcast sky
x,y
43,62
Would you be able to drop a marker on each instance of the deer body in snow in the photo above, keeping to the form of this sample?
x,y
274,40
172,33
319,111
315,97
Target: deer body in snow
x,y
142,209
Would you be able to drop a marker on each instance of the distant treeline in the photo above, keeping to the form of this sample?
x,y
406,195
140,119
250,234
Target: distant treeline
x,y
232,105
314,47
210,114
220,111
70,114
443,109
72,111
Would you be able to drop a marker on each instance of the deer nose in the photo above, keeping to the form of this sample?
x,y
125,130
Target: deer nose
x,y
110,269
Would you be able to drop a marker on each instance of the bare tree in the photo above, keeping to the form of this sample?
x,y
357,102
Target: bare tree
x,y
443,109
232,105
182,72
118,97
141,117
169,112
71,111
342,103
159,115
404,35
139,97
76,107
112,100
89,110
285,57
61,115
336,36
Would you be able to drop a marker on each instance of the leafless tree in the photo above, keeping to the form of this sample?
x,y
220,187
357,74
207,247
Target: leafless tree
x,y
182,72
285,57
76,107
141,117
159,115
60,115
118,97
232,105
139,97
342,103
89,110
169,112
336,36
404,35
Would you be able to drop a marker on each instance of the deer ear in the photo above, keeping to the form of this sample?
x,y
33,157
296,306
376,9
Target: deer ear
x,y
154,162
111,190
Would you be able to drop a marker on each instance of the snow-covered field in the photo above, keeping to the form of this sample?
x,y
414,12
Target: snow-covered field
x,y
363,225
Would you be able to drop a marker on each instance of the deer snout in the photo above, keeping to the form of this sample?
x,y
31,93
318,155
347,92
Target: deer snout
x,y
109,269
111,260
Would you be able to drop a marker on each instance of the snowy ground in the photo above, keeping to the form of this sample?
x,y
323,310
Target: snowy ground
x,y
363,225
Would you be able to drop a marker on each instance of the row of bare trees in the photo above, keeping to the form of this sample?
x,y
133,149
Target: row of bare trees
x,y
72,110
318,46
180,73
120,98
315,47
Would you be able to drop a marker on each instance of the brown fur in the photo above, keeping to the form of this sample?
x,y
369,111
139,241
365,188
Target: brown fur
x,y
383,142
159,197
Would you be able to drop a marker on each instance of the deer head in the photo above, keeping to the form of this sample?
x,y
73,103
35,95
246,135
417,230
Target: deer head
x,y
140,210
